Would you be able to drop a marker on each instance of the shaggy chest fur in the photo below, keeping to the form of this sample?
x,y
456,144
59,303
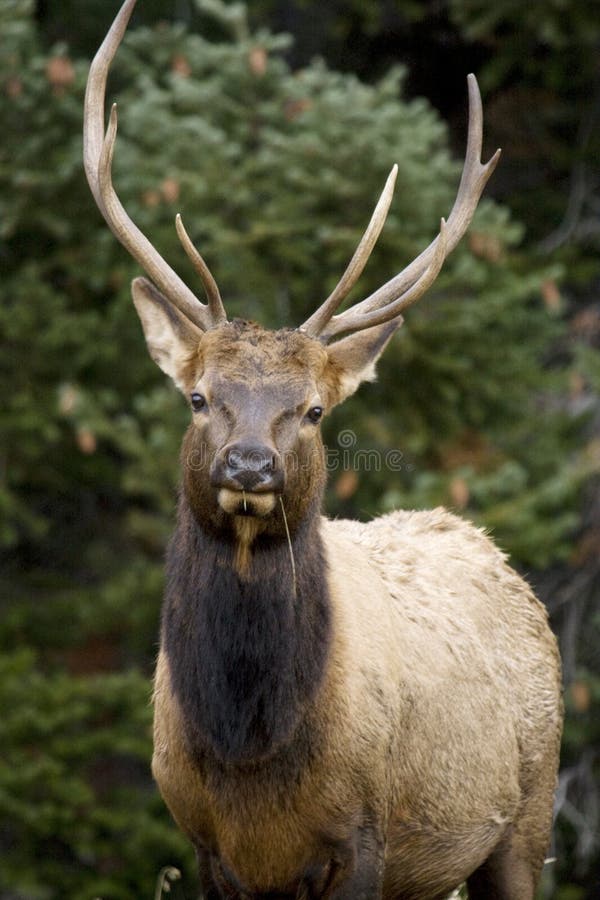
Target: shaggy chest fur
x,y
247,654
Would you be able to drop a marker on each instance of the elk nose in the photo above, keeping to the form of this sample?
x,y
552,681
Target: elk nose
x,y
250,466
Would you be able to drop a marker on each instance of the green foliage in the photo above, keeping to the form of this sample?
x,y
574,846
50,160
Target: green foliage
x,y
78,818
275,173
546,84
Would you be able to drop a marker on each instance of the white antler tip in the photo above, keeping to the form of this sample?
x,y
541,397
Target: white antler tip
x,y
473,89
492,162
126,10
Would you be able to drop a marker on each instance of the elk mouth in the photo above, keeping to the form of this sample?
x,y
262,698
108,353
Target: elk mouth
x,y
238,502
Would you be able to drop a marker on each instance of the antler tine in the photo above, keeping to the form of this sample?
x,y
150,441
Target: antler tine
x,y
356,318
98,153
93,116
319,319
409,285
215,304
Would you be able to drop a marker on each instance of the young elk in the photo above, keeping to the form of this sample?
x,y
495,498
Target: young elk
x,y
341,710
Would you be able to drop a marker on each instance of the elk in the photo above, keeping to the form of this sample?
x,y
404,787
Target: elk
x,y
341,710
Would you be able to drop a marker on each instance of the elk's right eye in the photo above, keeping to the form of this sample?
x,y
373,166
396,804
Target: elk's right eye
x,y
314,414
198,402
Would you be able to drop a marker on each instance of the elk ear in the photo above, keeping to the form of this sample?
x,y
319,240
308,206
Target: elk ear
x,y
352,360
171,338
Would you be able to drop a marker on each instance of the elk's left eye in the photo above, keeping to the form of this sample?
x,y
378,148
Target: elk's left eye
x,y
198,402
314,414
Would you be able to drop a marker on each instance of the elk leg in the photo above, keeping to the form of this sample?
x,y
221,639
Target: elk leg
x,y
509,873
360,876
512,871
208,886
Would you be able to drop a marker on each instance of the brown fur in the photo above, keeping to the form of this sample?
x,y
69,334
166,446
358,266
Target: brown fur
x,y
415,710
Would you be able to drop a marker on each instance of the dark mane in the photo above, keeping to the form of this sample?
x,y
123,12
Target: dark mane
x,y
245,656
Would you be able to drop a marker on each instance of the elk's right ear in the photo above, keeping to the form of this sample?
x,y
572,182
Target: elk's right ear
x,y
171,338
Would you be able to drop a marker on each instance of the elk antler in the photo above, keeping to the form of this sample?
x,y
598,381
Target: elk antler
x,y
410,284
98,151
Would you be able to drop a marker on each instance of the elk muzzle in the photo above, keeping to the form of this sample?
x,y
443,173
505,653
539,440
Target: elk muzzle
x,y
248,476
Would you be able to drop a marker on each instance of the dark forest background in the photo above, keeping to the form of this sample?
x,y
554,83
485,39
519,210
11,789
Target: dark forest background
x,y
271,128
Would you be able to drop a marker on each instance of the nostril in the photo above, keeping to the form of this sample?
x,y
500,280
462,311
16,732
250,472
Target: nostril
x,y
250,459
259,462
234,459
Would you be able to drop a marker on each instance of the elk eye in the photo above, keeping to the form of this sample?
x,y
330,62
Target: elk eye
x,y
198,402
314,414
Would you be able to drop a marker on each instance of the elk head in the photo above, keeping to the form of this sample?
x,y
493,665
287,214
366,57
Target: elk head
x,y
256,396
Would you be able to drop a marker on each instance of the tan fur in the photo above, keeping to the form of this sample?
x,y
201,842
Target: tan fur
x,y
429,614
246,530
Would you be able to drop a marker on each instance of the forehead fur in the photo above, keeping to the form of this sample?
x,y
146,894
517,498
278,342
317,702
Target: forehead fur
x,y
244,350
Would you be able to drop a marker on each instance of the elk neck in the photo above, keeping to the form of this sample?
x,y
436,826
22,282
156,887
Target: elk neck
x,y
247,650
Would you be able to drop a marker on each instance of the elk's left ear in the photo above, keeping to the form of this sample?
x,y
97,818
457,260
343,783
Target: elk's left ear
x,y
352,360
